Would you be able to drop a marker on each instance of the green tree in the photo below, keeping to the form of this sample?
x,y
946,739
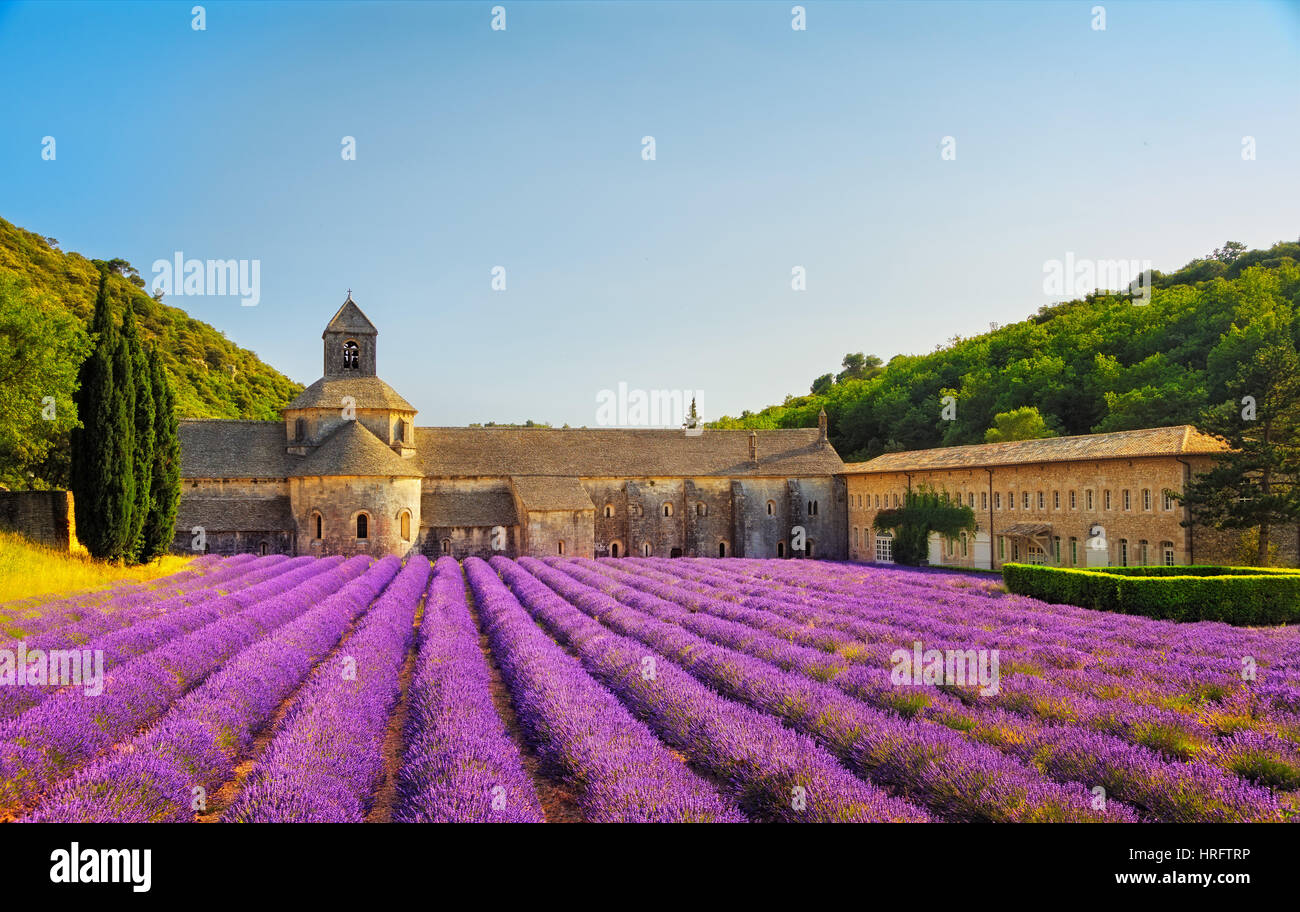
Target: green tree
x,y
101,470
165,479
1024,423
858,366
822,385
143,431
924,511
1229,251
44,345
1254,487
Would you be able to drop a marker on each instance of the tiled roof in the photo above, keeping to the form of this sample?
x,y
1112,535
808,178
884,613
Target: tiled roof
x,y
1180,440
369,392
256,449
551,492
225,448
467,508
353,450
350,319
618,453
226,514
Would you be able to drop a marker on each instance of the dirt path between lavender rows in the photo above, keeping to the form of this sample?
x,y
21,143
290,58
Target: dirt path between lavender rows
x,y
221,800
558,801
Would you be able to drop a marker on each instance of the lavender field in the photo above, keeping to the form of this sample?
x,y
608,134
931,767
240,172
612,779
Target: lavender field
x,y
560,690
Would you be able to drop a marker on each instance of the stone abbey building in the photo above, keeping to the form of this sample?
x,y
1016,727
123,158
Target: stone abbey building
x,y
1085,501
348,471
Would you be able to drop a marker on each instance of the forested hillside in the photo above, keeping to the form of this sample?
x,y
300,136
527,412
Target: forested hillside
x,y
1092,365
47,297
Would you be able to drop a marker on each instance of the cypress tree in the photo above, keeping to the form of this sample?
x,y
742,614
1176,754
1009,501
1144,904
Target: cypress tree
x,y
143,430
165,480
121,447
99,506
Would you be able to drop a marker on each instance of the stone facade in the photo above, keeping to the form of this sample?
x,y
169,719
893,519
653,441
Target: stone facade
x,y
348,448
1048,502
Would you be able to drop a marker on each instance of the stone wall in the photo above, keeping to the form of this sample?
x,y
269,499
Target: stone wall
x,y
1098,488
544,531
228,543
45,517
338,500
461,542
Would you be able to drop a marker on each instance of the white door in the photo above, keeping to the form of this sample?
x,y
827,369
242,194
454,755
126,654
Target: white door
x,y
983,551
936,549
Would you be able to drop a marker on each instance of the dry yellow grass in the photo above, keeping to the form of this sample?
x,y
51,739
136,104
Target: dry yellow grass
x,y
28,569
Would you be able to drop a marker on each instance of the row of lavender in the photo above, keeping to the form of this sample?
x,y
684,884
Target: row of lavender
x,y
69,728
647,691
1207,692
848,651
24,619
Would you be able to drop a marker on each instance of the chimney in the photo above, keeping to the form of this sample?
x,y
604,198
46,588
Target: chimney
x,y
753,445
821,428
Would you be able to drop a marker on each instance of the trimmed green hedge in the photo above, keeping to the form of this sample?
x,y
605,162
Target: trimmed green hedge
x,y
1235,595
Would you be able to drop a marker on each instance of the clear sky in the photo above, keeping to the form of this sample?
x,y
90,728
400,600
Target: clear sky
x,y
522,148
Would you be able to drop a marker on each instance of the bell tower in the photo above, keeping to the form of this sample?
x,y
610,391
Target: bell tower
x,y
349,343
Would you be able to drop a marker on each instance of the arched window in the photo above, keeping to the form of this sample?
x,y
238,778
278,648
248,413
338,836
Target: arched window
x,y
813,511
613,549
645,549
668,509
446,546
722,549
363,526
317,525
609,510
561,546
261,549
406,525
780,549
300,429
351,355
701,509
771,508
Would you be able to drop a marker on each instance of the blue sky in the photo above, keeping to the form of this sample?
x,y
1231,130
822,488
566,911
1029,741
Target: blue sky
x,y
775,148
